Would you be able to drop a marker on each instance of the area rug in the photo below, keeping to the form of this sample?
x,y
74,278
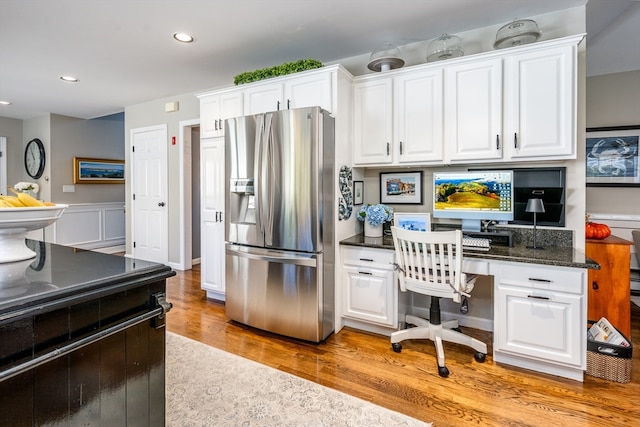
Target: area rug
x,y
210,387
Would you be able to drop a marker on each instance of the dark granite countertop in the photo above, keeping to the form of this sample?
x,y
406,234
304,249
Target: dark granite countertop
x,y
60,272
558,256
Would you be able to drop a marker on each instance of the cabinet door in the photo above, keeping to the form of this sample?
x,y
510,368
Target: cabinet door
x,y
373,122
418,117
369,295
212,215
309,91
264,98
214,109
538,324
540,118
473,111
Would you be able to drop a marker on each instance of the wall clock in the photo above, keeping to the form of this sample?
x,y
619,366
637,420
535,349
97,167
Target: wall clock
x,y
34,158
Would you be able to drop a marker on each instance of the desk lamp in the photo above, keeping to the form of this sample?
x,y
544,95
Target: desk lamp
x,y
536,206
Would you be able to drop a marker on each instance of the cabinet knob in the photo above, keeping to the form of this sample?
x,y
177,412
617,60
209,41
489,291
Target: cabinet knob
x,y
161,204
497,142
278,106
400,147
515,140
595,286
215,124
388,148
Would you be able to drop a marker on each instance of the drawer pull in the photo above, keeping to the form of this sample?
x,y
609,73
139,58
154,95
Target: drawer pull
x,y
533,279
365,272
366,259
595,286
538,297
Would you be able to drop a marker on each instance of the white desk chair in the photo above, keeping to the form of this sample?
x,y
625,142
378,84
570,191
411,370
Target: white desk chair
x,y
431,264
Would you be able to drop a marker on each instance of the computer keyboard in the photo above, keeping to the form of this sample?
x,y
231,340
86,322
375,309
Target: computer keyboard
x,y
476,243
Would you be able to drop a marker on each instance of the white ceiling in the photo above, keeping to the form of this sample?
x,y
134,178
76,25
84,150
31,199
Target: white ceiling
x,y
123,53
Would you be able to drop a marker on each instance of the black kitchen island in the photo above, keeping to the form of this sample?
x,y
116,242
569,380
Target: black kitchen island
x,y
82,339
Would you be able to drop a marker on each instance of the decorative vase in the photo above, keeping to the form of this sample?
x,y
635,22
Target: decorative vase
x,y
372,230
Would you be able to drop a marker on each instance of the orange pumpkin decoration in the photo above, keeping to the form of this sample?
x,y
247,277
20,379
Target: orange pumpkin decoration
x,y
594,230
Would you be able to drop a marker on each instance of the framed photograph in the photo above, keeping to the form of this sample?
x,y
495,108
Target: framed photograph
x,y
612,156
358,192
401,188
97,171
412,221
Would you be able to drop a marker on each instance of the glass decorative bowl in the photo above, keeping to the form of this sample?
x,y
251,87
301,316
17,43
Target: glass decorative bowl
x,y
446,46
517,33
15,223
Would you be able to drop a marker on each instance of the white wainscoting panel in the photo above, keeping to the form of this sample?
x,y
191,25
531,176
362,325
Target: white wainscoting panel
x,y
92,226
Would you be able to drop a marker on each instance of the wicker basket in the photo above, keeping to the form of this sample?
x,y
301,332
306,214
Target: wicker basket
x,y
611,362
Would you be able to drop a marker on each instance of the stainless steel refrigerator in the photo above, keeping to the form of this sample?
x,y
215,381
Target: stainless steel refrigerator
x,y
279,222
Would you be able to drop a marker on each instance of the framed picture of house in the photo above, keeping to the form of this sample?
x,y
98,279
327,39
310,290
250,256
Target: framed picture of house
x,y
612,156
97,171
401,188
412,221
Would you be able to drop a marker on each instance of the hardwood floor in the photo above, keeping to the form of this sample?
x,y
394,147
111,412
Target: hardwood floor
x,y
363,365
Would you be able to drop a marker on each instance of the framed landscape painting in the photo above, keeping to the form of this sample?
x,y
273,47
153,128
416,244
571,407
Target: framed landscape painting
x,y
97,171
612,156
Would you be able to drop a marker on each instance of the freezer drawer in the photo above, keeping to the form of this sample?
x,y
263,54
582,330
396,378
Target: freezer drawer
x,y
281,292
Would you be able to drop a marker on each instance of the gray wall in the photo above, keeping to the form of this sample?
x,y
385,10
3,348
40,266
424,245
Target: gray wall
x,y
65,137
12,130
613,100
101,138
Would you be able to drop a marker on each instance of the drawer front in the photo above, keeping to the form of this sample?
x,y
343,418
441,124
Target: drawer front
x,y
543,277
368,257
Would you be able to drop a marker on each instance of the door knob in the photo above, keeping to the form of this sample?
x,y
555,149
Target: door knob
x,y
161,204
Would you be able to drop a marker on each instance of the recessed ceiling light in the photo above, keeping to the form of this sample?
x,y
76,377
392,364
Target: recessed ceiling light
x,y
5,103
69,79
183,37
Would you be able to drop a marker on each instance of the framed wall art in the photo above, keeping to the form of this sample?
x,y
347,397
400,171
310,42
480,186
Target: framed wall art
x,y
97,171
612,156
412,221
401,188
358,192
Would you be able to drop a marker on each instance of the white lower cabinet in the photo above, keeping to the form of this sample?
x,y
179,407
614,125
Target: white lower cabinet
x,y
370,289
540,318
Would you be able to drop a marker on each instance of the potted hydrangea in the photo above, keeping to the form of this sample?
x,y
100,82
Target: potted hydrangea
x,y
373,217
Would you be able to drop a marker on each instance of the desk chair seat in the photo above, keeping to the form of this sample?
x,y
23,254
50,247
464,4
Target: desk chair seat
x,y
430,263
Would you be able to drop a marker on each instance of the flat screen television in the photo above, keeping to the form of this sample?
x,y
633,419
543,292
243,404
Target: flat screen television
x,y
473,196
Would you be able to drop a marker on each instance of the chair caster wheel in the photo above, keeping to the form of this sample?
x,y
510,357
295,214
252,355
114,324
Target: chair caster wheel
x,y
443,371
397,347
480,357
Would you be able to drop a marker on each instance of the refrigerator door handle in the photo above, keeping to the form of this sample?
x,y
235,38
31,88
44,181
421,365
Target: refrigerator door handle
x,y
273,256
266,170
259,181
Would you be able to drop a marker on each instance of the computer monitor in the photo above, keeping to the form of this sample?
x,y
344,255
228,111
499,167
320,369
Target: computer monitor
x,y
473,196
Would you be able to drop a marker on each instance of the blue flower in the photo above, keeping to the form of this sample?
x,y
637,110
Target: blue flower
x,y
375,214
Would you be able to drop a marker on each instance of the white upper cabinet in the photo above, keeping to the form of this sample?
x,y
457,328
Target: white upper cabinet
x,y
398,120
473,111
418,117
215,108
310,90
516,104
373,121
540,104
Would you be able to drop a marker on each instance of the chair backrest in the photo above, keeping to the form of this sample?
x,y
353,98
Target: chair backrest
x,y
430,262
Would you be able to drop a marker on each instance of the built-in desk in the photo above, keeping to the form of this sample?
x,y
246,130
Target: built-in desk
x,y
539,299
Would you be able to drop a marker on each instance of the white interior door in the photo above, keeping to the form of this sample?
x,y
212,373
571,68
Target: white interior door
x,y
149,193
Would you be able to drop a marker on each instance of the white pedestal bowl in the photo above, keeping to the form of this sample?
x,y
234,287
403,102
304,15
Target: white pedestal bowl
x,y
15,223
